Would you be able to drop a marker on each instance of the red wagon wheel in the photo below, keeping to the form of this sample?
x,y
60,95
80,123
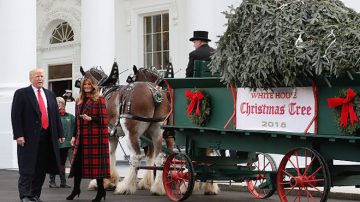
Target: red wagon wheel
x,y
304,174
256,186
178,176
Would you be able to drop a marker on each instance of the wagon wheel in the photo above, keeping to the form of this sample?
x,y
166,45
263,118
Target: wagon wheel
x,y
305,174
265,163
178,176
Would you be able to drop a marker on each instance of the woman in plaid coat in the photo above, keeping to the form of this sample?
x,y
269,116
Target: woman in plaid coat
x,y
91,152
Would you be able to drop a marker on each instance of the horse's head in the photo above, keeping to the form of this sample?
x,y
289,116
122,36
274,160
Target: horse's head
x,y
95,73
145,74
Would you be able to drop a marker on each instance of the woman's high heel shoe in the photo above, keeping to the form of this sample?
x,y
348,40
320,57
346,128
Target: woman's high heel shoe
x,y
73,194
99,195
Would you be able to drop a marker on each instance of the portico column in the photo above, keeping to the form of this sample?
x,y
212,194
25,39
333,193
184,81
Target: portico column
x,y
97,34
17,56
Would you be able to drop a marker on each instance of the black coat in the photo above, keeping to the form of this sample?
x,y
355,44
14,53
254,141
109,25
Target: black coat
x,y
202,53
26,122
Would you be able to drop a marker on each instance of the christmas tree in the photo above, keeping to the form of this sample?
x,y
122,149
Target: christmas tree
x,y
278,43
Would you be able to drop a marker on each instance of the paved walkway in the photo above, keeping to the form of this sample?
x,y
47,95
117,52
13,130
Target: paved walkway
x,y
9,190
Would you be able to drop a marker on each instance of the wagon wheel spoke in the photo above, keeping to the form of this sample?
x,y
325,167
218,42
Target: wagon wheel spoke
x,y
297,162
290,190
309,195
316,171
296,167
287,173
308,166
317,189
298,195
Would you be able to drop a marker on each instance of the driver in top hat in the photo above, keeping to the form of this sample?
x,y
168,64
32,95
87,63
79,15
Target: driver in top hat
x,y
202,50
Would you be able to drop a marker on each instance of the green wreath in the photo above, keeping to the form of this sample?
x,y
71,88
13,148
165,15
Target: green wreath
x,y
351,129
198,107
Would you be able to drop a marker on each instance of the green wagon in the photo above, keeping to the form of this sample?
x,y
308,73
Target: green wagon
x,y
306,170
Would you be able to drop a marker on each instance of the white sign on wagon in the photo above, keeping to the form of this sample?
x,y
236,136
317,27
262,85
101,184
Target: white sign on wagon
x,y
279,109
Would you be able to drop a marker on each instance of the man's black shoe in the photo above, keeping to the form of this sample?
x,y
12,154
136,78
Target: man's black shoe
x,y
26,199
36,199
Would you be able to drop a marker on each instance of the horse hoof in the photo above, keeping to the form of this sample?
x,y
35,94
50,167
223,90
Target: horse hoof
x,y
144,185
210,193
124,189
155,190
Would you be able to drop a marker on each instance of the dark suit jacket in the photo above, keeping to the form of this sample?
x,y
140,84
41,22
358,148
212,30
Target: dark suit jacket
x,y
202,53
26,122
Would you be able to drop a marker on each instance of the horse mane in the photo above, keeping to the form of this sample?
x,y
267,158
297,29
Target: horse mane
x,y
151,70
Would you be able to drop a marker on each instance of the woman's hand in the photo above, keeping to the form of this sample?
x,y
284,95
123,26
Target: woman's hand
x,y
72,141
86,117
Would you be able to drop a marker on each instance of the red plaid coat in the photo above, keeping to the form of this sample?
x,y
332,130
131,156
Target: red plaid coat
x,y
93,137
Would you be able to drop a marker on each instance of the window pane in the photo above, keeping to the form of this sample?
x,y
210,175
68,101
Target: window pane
x,y
148,43
145,60
166,41
56,38
157,23
148,59
147,25
157,42
165,59
165,22
60,71
157,60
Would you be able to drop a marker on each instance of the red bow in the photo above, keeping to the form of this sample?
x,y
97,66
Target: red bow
x,y
347,107
195,99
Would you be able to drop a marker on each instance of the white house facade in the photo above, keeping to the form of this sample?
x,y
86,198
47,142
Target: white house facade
x,y
62,35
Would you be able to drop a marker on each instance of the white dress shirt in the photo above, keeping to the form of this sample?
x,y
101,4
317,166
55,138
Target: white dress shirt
x,y
42,95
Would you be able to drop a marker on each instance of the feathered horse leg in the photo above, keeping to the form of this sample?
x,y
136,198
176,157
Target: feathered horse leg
x,y
133,130
148,179
156,134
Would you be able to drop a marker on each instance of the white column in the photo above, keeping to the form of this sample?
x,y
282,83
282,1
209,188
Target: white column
x,y
97,34
17,56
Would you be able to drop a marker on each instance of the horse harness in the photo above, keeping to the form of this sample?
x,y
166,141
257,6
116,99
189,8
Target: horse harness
x,y
125,103
124,108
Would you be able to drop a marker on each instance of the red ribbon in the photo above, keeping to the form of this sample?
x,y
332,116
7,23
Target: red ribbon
x,y
347,107
195,99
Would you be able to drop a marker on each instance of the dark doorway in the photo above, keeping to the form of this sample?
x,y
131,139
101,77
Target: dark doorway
x,y
59,87
60,78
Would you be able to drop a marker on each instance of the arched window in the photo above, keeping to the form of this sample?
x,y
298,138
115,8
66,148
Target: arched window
x,y
62,33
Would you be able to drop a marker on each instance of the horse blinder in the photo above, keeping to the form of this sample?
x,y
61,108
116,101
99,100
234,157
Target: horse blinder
x,y
130,79
77,83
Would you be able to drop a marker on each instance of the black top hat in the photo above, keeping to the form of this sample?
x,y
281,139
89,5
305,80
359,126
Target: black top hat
x,y
200,35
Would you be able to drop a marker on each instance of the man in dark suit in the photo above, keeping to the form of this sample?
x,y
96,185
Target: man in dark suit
x,y
202,50
37,130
